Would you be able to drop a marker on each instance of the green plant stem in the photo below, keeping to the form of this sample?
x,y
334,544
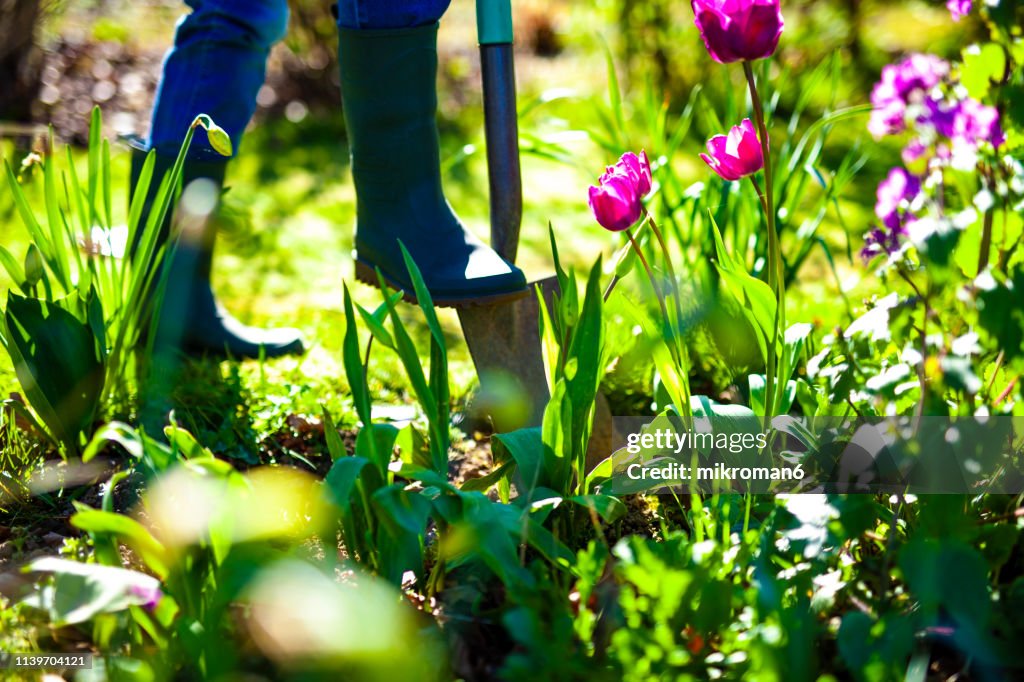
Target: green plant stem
x,y
611,287
683,366
671,270
775,279
986,242
618,264
657,292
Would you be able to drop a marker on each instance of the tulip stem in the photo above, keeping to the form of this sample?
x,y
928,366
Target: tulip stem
x,y
677,330
775,277
673,348
669,267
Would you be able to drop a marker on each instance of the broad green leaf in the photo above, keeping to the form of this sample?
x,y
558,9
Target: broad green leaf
x,y
587,351
402,509
607,507
721,418
83,591
525,447
128,531
54,356
383,437
982,66
755,297
341,479
185,443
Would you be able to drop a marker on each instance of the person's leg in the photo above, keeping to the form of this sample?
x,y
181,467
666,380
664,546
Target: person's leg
x,y
377,14
387,52
216,67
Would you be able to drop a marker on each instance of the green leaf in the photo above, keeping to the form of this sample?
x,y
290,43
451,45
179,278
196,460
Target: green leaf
x,y
341,479
376,442
128,531
402,510
54,355
485,483
556,443
722,418
335,446
83,591
13,268
375,322
982,65
757,385
587,351
609,508
948,574
524,447
185,443
354,370
755,297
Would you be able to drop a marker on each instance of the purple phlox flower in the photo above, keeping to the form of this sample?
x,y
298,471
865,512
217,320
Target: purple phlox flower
x,y
894,196
958,8
881,240
914,150
941,115
975,123
901,84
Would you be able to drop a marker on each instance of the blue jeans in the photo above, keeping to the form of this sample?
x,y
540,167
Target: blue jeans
x,y
218,61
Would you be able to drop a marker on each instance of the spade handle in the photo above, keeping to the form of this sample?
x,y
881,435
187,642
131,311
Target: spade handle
x,y
501,126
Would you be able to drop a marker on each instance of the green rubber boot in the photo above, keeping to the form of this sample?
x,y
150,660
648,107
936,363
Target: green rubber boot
x,y
389,96
190,317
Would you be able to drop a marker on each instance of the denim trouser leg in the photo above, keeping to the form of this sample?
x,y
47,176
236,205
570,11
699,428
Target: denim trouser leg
x,y
216,67
374,14
218,61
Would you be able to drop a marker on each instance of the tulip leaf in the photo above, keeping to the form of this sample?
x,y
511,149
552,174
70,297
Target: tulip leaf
x,y
526,448
609,508
55,357
127,530
83,591
755,297
342,477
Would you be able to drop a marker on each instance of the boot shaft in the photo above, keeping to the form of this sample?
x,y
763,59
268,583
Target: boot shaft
x,y
200,246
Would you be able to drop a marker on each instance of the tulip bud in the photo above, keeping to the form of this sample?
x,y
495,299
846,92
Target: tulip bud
x,y
737,30
736,155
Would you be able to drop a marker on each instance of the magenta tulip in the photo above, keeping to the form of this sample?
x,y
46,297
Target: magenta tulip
x,y
737,30
616,201
737,154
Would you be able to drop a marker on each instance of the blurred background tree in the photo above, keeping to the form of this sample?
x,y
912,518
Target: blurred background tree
x,y
21,59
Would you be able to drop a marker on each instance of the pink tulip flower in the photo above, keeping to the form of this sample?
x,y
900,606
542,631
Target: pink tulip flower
x,y
736,155
738,30
616,201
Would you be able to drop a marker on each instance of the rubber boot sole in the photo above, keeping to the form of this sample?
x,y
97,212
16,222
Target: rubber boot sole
x,y
367,274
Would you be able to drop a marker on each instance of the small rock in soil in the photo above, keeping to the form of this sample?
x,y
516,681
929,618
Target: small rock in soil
x,y
53,539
